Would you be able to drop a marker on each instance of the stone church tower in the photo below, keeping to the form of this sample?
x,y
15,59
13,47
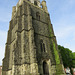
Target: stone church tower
x,y
31,47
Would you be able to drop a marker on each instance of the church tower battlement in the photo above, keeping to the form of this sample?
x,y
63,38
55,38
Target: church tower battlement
x,y
34,2
31,47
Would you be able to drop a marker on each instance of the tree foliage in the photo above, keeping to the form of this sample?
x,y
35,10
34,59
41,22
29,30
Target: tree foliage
x,y
73,59
67,56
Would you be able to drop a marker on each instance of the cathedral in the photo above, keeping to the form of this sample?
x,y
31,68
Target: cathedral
x,y
31,47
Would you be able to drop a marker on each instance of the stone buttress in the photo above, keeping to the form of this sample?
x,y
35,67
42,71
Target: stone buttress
x,y
31,47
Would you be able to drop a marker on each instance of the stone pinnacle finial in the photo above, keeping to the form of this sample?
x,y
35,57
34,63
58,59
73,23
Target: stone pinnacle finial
x,y
44,5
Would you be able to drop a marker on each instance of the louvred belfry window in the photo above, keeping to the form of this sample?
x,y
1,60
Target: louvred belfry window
x,y
35,2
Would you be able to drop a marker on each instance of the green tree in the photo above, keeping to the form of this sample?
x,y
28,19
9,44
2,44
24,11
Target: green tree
x,y
66,56
73,59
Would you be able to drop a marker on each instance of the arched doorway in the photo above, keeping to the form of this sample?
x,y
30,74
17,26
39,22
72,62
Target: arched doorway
x,y
45,68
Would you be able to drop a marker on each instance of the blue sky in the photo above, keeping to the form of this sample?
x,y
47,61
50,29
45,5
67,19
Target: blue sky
x,y
62,14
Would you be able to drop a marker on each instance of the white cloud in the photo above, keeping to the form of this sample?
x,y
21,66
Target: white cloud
x,y
70,46
71,2
66,37
0,63
3,35
63,32
74,36
5,17
2,50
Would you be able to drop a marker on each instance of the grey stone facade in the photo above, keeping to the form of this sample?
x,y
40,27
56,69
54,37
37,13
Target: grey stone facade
x,y
31,47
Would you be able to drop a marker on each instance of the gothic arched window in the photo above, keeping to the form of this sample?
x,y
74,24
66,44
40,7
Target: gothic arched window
x,y
38,16
42,45
35,2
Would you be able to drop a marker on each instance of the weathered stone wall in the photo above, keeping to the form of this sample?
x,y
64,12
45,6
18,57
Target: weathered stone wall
x,y
23,56
41,32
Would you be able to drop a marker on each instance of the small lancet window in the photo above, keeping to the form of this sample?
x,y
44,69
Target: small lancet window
x,y
41,42
42,45
35,2
38,16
